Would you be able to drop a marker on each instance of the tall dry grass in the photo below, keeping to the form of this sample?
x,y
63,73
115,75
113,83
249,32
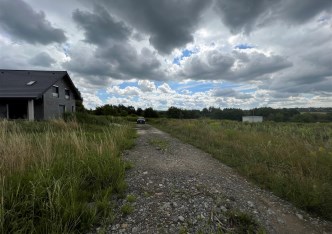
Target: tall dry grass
x,y
292,160
58,177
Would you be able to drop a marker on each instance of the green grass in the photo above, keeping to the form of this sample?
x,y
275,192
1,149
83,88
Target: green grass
x,y
243,223
58,177
292,160
127,209
131,198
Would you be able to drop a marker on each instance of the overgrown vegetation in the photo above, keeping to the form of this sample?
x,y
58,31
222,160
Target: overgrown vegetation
x,y
121,110
292,160
268,113
302,115
57,176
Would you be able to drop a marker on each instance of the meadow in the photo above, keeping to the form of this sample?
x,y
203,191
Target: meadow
x,y
59,176
292,160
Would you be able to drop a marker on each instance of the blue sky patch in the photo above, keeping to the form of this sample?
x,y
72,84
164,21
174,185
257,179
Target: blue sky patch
x,y
102,94
194,86
243,46
185,53
125,84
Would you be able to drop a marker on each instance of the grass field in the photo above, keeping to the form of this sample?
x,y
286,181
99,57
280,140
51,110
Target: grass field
x,y
59,177
292,160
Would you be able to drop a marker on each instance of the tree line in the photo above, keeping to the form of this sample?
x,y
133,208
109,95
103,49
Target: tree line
x,y
268,113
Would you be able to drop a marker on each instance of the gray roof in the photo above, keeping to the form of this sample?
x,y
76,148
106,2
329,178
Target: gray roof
x,y
13,83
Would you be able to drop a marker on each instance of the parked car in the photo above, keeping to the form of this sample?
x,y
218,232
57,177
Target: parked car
x,y
141,120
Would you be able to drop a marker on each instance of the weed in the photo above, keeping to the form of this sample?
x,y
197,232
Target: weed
x,y
147,194
242,223
128,165
131,198
127,209
183,230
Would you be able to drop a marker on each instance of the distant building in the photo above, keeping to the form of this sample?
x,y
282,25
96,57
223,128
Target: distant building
x,y
252,119
36,95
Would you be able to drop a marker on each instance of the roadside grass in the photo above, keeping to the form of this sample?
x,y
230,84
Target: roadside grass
x,y
127,209
292,160
57,176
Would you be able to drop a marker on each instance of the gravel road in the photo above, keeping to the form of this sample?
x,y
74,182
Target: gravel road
x,y
177,188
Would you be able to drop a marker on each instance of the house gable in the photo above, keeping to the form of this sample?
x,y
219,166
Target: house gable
x,y
29,94
53,104
30,84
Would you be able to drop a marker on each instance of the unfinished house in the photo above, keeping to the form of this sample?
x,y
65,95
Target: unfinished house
x,y
36,95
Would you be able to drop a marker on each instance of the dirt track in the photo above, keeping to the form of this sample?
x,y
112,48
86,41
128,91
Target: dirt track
x,y
179,188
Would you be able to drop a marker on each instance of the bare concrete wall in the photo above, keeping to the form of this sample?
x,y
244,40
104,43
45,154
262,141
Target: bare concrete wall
x,y
39,109
52,104
3,111
252,119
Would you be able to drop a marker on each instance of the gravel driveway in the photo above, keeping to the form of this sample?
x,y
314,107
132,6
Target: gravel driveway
x,y
177,188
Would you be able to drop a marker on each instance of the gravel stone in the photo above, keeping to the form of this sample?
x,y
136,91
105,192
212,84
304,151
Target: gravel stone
x,y
299,216
135,230
251,204
183,181
223,209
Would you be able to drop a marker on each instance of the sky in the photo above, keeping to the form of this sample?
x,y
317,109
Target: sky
x,y
190,54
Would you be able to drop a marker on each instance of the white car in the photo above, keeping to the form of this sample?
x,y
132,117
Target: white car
x,y
140,120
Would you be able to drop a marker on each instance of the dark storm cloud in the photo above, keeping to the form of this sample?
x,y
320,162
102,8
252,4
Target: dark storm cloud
x,y
118,61
282,95
230,93
42,59
130,64
301,11
208,65
88,66
297,88
308,82
312,74
245,16
12,62
100,27
237,66
254,65
19,20
242,15
169,24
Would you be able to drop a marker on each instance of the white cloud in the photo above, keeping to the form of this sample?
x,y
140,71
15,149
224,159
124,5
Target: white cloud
x,y
290,64
91,100
165,88
129,90
146,85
